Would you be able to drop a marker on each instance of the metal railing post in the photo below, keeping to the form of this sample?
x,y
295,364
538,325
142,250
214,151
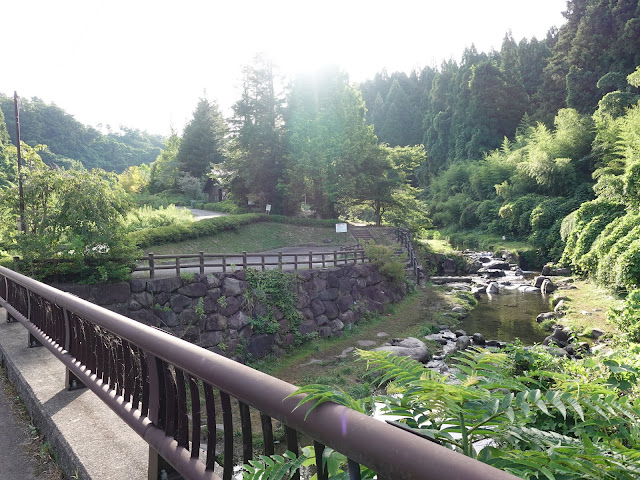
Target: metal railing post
x,y
32,341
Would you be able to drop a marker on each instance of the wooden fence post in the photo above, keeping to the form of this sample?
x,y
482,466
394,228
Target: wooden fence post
x,y
262,261
279,260
244,260
201,262
151,265
310,260
224,264
178,266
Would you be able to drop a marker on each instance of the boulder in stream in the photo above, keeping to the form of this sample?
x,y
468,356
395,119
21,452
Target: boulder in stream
x,y
460,311
546,316
547,287
497,264
409,347
463,342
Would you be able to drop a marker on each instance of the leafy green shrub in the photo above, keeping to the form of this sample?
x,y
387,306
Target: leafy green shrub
x,y
149,217
627,269
163,199
580,233
78,263
487,211
390,266
608,265
518,213
531,259
627,316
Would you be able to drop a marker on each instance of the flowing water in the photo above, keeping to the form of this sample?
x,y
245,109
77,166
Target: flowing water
x,y
507,316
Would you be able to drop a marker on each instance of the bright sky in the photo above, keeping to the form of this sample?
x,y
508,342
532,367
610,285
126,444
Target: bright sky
x,y
144,64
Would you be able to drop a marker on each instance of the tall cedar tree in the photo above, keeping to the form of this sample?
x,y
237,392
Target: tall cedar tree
x,y
258,143
203,142
334,156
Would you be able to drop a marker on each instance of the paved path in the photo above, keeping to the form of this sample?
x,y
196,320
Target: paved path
x,y
89,439
14,463
202,214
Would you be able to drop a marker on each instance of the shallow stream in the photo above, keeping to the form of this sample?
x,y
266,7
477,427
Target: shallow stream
x,y
509,315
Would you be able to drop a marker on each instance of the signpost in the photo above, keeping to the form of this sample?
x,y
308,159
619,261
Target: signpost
x,y
340,228
268,208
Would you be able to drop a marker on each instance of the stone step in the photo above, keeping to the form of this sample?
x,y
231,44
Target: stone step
x,y
360,233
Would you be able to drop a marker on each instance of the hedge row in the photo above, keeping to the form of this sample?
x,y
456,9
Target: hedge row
x,y
211,226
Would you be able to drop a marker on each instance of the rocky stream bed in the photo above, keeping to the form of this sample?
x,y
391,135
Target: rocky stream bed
x,y
490,276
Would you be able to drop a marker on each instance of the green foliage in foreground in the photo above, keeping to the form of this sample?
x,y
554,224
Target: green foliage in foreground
x,y
627,316
542,417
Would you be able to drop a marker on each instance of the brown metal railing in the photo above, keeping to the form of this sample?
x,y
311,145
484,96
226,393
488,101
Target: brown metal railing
x,y
225,263
174,393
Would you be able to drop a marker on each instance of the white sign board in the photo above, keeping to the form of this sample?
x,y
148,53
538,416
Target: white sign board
x,y
341,227
268,207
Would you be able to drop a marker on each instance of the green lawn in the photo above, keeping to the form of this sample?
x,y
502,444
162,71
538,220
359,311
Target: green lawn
x,y
256,237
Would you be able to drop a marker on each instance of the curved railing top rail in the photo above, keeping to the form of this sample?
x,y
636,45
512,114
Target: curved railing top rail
x,y
390,451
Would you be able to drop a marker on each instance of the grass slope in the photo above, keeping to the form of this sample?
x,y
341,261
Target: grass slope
x,y
256,237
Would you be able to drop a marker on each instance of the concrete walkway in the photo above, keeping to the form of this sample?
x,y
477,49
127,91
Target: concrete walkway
x,y
202,214
90,441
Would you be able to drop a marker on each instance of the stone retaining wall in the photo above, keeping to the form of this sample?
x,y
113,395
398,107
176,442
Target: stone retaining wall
x,y
212,310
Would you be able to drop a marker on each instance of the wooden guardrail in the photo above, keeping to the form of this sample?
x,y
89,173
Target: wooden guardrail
x,y
223,263
404,238
175,395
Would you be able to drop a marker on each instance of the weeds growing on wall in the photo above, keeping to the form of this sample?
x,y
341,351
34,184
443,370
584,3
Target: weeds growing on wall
x,y
270,291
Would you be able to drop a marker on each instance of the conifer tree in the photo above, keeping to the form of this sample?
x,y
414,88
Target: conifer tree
x,y
203,142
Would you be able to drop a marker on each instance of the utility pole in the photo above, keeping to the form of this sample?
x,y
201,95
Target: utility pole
x,y
23,225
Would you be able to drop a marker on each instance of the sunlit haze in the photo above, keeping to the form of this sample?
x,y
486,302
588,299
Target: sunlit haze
x,y
144,64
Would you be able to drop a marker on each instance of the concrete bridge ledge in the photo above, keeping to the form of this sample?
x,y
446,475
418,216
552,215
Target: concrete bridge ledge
x,y
89,440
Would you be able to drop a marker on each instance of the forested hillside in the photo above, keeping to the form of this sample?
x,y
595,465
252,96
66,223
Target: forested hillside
x,y
518,139
67,139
